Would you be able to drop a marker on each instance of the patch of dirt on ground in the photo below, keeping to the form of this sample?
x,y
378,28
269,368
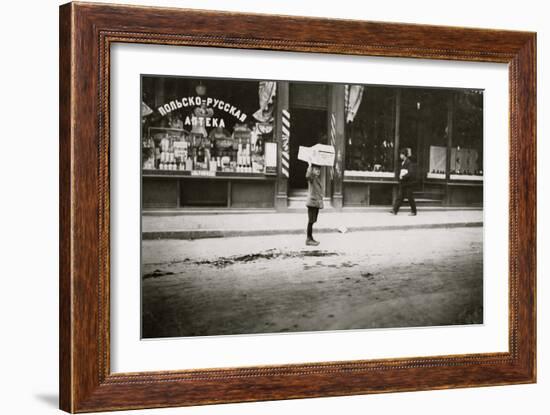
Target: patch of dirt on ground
x,y
270,254
157,273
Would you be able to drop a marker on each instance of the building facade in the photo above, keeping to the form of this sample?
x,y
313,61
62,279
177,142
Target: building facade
x,y
225,143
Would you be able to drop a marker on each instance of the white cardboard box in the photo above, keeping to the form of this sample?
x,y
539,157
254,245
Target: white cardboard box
x,y
320,154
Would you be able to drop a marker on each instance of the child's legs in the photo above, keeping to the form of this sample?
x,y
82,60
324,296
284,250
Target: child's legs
x,y
312,213
310,230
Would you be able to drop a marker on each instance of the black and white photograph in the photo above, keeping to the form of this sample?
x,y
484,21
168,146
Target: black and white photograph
x,y
281,206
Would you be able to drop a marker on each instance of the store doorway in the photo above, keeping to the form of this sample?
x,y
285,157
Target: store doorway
x,y
308,127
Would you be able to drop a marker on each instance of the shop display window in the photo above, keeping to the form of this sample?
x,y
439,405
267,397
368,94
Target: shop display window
x,y
370,147
465,146
467,150
206,127
221,151
424,131
425,116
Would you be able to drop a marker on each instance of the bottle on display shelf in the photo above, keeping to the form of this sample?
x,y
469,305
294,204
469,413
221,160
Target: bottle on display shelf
x,y
157,156
207,159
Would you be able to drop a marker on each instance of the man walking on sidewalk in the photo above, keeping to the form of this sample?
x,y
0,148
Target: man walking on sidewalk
x,y
407,181
314,200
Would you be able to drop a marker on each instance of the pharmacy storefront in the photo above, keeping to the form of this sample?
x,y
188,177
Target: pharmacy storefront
x,y
233,144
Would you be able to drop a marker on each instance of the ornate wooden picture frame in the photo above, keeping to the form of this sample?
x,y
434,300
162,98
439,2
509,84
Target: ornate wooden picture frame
x,y
87,32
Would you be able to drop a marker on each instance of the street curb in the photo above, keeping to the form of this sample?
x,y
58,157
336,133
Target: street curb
x,y
271,211
228,233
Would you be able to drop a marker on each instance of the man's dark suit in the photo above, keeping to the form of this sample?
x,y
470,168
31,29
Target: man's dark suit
x,y
406,186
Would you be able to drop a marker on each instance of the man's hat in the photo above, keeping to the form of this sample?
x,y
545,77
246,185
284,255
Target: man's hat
x,y
406,151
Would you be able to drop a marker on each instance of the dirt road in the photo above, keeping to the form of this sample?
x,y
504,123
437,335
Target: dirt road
x,y
276,284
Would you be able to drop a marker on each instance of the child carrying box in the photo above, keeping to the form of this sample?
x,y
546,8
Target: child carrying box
x,y
314,199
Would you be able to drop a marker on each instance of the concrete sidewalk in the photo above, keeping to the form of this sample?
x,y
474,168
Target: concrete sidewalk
x,y
198,226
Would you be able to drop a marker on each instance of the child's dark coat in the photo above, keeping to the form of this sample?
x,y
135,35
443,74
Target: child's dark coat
x,y
315,187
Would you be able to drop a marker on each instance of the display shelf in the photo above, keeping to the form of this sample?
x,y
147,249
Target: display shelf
x,y
466,177
436,176
202,175
370,174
